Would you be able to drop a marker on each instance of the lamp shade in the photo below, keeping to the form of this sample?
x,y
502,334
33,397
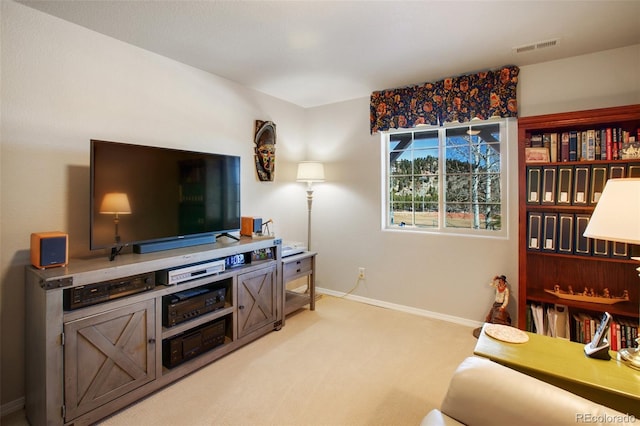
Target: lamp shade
x,y
115,203
310,171
617,214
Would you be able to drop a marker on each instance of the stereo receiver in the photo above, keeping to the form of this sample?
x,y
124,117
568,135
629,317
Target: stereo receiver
x,y
192,343
189,304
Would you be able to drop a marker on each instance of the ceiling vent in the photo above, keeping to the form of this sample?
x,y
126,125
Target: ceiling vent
x,y
535,46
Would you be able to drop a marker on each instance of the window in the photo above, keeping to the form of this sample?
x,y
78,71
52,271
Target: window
x,y
446,180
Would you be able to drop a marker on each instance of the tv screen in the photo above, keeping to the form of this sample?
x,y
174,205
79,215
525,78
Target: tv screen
x,y
172,195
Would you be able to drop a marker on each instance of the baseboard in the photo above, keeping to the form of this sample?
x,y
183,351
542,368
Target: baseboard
x,y
401,308
12,407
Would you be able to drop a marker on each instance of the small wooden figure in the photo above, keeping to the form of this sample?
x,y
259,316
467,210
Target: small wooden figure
x,y
498,313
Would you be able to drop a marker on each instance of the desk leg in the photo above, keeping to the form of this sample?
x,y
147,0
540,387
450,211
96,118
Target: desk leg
x,y
312,285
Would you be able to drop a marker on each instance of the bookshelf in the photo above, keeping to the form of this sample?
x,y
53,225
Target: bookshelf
x,y
556,199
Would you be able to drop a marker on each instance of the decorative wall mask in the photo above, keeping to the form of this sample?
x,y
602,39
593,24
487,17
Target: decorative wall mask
x,y
265,150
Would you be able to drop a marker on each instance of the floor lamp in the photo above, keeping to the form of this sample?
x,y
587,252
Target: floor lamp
x,y
310,172
617,218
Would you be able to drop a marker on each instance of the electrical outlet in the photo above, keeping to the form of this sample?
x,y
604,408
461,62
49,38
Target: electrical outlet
x,y
361,273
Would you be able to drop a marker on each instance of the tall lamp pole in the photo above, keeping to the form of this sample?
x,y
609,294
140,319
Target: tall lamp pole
x,y
310,172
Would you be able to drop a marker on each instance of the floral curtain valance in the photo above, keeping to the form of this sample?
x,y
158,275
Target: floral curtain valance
x,y
482,95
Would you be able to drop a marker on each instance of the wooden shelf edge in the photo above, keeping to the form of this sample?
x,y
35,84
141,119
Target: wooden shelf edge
x,y
625,309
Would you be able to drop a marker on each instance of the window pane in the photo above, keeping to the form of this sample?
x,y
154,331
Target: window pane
x,y
490,217
458,215
426,140
401,189
488,188
427,215
458,188
399,141
427,189
401,214
400,163
425,161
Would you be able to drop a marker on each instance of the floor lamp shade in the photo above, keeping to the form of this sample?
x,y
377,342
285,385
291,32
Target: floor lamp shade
x,y
310,171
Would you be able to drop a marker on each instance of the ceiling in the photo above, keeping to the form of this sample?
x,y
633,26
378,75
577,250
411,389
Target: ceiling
x,y
313,53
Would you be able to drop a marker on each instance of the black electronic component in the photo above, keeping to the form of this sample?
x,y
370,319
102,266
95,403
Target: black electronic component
x,y
86,295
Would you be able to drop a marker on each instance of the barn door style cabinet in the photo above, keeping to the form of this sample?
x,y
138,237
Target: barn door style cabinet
x,y
564,162
100,335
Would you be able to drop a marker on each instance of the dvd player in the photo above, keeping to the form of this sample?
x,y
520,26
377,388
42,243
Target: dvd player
x,y
186,273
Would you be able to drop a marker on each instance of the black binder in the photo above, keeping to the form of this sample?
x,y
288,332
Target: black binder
x,y
601,247
633,171
534,179
617,171
619,250
565,177
534,231
582,243
549,232
548,185
565,233
598,180
581,185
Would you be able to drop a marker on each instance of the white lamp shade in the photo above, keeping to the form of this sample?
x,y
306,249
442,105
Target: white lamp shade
x,y
310,171
115,203
617,214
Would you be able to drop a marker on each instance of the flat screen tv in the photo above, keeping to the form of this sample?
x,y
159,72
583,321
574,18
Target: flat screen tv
x,y
175,198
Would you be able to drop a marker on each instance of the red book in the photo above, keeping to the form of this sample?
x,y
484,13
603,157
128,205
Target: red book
x,y
609,144
564,146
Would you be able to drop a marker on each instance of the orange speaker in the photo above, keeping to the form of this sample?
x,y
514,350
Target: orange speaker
x,y
250,226
49,249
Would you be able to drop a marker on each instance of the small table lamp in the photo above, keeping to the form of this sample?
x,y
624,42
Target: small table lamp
x,y
617,218
115,203
309,172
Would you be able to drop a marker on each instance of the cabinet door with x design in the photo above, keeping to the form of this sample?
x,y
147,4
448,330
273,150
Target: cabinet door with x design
x,y
256,300
108,355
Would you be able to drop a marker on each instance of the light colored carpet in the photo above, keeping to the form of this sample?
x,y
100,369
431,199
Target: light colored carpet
x,y
346,363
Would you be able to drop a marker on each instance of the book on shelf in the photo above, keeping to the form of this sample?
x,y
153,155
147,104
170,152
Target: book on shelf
x,y
573,145
553,147
621,334
564,146
630,150
536,140
607,143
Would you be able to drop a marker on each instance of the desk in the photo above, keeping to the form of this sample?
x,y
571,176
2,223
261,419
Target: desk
x,y
295,267
564,364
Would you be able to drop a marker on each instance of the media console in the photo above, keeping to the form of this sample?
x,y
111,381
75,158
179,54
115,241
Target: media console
x,y
101,335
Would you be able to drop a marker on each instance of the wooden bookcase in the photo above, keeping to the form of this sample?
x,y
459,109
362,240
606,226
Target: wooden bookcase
x,y
541,269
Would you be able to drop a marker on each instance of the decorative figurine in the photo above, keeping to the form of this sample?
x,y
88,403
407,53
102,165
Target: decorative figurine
x,y
265,150
498,313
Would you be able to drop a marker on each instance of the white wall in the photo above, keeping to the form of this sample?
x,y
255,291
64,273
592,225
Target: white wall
x,y
63,85
437,275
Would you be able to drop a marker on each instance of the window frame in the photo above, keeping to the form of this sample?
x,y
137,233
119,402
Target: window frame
x,y
442,228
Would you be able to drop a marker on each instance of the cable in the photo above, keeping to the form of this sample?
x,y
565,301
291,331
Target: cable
x,y
352,289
